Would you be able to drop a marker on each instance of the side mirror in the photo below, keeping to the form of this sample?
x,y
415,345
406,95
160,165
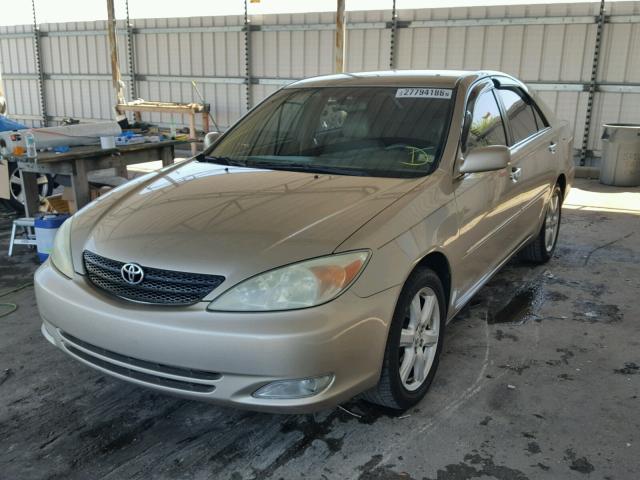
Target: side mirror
x,y
210,138
486,159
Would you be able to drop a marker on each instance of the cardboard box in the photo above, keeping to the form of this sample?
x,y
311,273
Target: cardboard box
x,y
56,204
94,192
4,179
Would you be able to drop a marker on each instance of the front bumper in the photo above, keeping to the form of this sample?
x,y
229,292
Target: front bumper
x,y
219,357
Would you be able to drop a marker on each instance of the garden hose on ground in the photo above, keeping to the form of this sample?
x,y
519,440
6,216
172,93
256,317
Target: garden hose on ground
x,y
12,307
7,212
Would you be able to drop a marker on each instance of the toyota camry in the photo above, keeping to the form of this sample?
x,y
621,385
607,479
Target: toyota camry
x,y
316,250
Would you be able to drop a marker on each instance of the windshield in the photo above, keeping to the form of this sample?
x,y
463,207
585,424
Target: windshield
x,y
370,131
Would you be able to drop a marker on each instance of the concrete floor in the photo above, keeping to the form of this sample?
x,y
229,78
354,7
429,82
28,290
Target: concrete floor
x,y
540,379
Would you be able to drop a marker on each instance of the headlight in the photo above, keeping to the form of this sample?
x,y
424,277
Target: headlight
x,y
300,285
61,252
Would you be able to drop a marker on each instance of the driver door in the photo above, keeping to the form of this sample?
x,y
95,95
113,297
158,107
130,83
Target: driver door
x,y
481,198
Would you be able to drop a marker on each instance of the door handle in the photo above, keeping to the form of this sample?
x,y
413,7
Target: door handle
x,y
516,173
553,147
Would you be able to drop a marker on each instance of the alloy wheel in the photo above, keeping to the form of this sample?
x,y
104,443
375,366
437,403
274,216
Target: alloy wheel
x,y
419,339
552,222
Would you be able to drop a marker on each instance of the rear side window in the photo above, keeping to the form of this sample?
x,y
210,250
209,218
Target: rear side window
x,y
522,120
540,120
486,123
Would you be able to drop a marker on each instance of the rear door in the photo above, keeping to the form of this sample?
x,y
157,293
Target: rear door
x,y
533,148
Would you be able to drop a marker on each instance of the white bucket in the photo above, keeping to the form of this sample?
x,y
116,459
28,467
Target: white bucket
x,y
46,228
107,142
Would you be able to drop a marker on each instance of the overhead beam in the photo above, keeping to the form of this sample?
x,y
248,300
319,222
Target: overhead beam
x,y
605,87
455,22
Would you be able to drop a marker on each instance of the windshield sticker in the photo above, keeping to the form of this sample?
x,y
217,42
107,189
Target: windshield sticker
x,y
423,93
418,157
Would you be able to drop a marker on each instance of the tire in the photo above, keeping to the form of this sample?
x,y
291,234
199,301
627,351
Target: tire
x,y
541,249
392,391
45,187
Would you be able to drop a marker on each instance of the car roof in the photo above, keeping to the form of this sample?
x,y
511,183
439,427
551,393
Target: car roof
x,y
396,78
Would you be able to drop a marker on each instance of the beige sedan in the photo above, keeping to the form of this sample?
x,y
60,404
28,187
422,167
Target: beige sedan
x,y
318,248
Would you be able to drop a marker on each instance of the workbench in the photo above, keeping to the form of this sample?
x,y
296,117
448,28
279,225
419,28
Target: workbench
x,y
79,161
190,109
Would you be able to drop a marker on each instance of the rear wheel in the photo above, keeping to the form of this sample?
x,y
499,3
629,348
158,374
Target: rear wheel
x,y
414,343
541,249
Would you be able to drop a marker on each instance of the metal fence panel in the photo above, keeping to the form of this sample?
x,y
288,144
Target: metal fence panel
x,y
549,46
619,64
18,67
171,53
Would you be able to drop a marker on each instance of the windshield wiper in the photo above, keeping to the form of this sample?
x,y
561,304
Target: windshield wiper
x,y
302,167
228,161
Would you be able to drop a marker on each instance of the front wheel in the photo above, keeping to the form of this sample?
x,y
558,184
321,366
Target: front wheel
x,y
541,249
414,343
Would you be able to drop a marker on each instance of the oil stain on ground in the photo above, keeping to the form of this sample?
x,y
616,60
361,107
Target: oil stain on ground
x,y
500,335
591,312
630,368
578,464
372,470
520,308
478,466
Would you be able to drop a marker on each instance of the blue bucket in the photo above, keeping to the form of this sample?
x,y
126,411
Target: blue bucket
x,y
46,227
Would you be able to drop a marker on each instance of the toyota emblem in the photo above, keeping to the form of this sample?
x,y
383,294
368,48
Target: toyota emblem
x,y
132,273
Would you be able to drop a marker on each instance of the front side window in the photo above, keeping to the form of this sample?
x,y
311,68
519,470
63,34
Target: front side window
x,y
520,114
486,123
370,131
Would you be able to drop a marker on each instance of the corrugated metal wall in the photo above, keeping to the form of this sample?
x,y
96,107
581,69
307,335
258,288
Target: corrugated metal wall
x,y
18,68
192,49
549,46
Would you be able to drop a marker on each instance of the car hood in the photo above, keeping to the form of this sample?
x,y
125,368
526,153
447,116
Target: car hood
x,y
235,222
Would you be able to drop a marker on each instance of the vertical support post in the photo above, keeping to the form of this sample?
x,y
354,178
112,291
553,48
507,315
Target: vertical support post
x,y
133,94
247,57
592,85
193,133
340,37
205,122
167,155
3,100
38,61
392,38
80,183
113,48
30,191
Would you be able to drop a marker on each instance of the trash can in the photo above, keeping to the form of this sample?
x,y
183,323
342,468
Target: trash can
x,y
46,227
620,155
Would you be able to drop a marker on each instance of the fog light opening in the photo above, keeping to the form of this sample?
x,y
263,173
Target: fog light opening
x,y
297,388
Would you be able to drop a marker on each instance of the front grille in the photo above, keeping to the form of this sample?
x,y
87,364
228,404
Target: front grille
x,y
72,343
163,287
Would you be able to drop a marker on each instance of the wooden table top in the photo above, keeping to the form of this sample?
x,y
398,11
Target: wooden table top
x,y
87,151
